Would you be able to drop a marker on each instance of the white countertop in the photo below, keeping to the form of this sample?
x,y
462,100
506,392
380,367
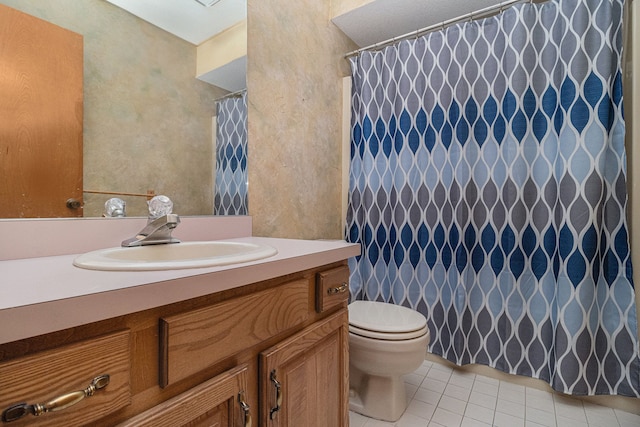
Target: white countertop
x,y
46,294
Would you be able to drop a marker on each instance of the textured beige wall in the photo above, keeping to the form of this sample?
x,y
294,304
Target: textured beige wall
x,y
294,74
147,119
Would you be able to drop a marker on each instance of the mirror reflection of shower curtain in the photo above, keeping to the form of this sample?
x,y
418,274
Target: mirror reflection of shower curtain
x,y
231,180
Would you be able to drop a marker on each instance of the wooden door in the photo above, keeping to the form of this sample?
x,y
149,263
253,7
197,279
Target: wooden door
x,y
218,402
304,379
41,113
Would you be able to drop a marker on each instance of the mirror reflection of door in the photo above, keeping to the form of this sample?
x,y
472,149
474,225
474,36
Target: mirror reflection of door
x,y
41,114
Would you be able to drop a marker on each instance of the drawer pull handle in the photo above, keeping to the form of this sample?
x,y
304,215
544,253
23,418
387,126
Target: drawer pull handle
x,y
64,401
339,289
245,409
278,387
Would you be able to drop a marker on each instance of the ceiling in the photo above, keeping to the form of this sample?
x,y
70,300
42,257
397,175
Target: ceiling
x,y
372,22
187,19
380,20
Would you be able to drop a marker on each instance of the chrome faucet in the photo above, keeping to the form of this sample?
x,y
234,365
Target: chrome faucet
x,y
157,232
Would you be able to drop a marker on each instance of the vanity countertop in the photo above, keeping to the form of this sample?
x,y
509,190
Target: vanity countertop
x,y
46,294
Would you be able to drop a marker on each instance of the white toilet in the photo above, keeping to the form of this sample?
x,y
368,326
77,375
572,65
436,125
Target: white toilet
x,y
386,341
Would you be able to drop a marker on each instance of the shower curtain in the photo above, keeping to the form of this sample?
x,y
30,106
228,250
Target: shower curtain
x,y
231,179
488,191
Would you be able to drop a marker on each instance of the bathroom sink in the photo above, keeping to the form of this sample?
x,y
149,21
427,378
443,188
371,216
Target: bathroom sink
x,y
173,256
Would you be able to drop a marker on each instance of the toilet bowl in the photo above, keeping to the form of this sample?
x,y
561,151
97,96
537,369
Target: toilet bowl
x,y
386,341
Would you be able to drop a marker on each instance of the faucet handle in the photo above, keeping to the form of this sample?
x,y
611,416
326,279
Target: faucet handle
x,y
160,206
115,207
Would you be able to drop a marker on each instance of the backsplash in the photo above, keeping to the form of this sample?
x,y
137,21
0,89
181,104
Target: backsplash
x,y
31,238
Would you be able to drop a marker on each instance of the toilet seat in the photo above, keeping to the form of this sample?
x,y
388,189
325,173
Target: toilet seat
x,y
382,336
384,321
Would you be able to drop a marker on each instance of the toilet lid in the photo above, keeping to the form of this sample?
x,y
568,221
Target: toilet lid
x,y
384,318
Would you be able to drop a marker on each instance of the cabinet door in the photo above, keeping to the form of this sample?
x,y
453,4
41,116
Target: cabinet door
x,y
304,379
217,402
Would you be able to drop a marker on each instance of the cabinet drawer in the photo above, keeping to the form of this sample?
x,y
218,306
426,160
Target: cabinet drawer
x,y
43,377
332,288
193,341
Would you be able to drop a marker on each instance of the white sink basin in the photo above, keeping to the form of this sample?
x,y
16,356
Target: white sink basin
x,y
173,256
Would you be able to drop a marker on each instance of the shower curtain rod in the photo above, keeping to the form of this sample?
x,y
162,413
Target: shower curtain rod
x,y
498,8
231,95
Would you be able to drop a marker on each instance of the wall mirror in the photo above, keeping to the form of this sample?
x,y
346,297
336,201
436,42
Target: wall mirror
x,y
148,122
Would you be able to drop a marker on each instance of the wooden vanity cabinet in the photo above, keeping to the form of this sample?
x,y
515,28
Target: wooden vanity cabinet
x,y
265,354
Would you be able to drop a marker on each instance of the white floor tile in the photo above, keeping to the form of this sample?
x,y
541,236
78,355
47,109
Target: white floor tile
x,y
487,380
510,408
563,399
414,379
540,393
603,411
421,409
428,396
511,395
571,411
568,422
470,422
410,420
541,417
433,384
378,423
595,420
600,416
452,404
485,388
438,375
506,420
479,413
357,420
446,418
514,388
539,401
626,419
424,368
483,400
462,379
457,391
442,367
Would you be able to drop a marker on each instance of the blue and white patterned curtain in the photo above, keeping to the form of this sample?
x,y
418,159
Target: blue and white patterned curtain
x,y
488,190
231,195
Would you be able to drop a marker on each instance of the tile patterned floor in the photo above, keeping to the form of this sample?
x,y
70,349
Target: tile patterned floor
x,y
443,397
